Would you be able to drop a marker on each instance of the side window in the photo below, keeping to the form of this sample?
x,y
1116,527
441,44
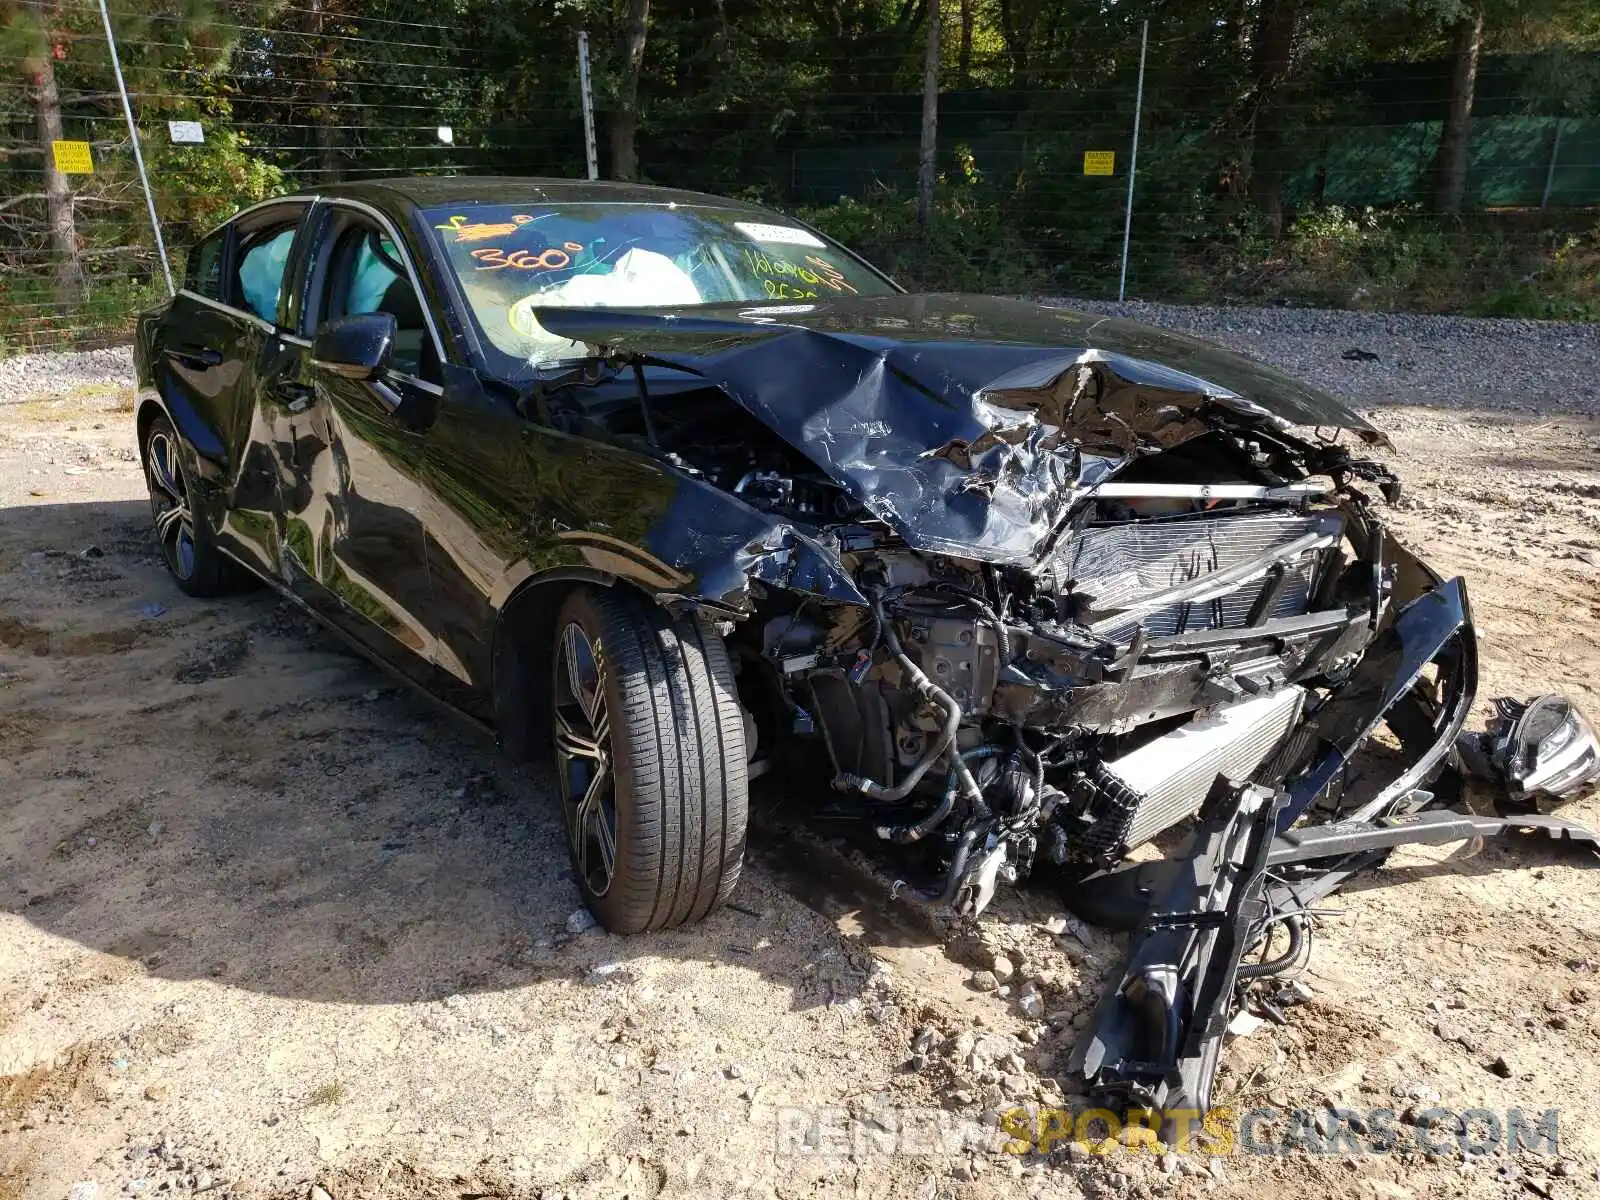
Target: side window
x,y
204,273
262,259
366,275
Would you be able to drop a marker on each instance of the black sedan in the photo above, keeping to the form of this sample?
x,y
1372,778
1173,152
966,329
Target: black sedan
x,y
685,492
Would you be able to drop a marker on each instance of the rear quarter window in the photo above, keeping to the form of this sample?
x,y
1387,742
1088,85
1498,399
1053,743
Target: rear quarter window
x,y
204,273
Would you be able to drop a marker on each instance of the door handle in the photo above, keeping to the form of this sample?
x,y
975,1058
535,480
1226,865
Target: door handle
x,y
201,356
296,396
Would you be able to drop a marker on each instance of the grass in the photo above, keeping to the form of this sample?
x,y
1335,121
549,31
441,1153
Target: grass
x,y
327,1094
31,319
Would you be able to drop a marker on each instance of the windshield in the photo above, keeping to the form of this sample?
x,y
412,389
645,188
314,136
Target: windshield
x,y
511,259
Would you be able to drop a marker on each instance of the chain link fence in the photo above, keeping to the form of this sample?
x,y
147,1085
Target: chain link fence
x,y
1310,187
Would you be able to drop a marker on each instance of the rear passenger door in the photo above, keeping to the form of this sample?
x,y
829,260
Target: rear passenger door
x,y
200,360
205,357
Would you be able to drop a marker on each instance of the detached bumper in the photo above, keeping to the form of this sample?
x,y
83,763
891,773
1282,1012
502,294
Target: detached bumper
x,y
1389,686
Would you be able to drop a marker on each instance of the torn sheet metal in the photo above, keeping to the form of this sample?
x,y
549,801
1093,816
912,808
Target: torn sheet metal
x,y
976,447
717,544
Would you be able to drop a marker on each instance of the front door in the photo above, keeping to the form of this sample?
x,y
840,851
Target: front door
x,y
353,501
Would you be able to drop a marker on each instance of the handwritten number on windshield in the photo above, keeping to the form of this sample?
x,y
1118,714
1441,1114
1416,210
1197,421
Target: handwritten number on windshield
x,y
831,274
493,258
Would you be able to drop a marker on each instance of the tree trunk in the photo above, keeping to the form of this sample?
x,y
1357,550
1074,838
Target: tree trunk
x,y
927,157
722,39
964,58
58,192
1015,37
1450,161
324,118
1273,61
624,117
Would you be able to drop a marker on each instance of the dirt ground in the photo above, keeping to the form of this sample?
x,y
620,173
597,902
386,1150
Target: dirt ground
x,y
271,923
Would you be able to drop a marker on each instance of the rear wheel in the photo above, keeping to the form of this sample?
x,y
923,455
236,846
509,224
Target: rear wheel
x,y
650,759
187,546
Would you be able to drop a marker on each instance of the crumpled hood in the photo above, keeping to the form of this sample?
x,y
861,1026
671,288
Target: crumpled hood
x,y
970,425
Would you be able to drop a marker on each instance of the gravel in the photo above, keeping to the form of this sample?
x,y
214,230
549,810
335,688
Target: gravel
x,y
1434,361
40,376
1421,359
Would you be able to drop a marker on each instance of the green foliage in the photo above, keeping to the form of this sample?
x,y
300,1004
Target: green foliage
x,y
966,247
1407,259
112,302
201,186
1564,284
814,106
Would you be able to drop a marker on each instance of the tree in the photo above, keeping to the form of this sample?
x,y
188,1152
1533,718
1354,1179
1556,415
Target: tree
x,y
57,191
37,47
964,55
928,151
1273,59
321,68
625,113
1450,161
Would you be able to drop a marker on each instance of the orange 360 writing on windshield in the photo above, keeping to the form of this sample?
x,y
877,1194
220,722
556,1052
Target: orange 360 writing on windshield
x,y
493,258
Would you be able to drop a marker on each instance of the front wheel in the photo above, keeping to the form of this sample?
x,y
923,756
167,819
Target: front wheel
x,y
650,759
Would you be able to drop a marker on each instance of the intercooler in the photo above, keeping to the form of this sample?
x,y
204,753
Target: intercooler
x,y
1173,773
1172,575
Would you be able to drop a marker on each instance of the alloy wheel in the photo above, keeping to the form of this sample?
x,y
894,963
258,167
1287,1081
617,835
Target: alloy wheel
x,y
169,504
583,758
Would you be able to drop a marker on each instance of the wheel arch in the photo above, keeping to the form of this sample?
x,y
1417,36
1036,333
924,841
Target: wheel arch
x,y
148,410
524,629
520,653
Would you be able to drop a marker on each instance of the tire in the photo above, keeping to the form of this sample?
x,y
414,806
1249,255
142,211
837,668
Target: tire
x,y
188,546
650,760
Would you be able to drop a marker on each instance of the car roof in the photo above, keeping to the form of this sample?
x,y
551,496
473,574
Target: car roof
x,y
428,191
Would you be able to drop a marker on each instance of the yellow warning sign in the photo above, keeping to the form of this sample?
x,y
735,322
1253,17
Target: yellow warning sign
x,y
1099,162
72,158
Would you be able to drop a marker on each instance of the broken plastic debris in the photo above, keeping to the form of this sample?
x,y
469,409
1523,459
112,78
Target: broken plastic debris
x,y
1244,1024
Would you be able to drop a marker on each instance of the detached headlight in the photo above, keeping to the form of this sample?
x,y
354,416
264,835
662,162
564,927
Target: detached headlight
x,y
1547,747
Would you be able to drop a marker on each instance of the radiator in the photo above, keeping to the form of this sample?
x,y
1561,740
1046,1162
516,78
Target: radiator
x,y
1107,568
1174,772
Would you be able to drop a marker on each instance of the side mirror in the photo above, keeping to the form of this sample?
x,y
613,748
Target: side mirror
x,y
356,347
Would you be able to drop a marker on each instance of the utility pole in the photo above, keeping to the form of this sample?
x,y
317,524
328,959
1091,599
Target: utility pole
x,y
586,95
1133,164
138,156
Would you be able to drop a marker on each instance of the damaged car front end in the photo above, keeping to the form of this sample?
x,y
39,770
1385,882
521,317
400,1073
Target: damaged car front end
x,y
1032,600
682,493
